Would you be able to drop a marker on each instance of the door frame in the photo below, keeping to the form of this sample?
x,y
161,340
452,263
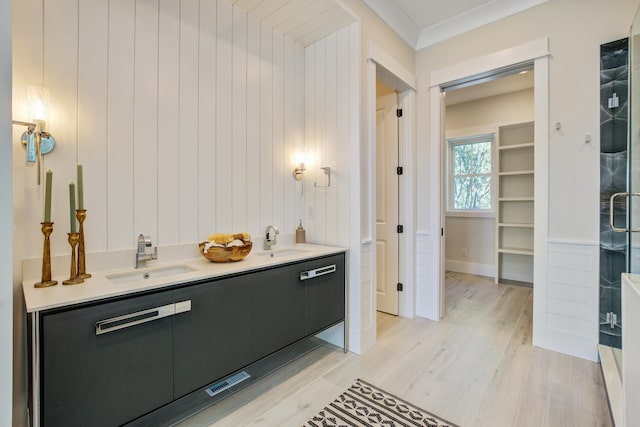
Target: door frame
x,y
382,65
391,100
536,51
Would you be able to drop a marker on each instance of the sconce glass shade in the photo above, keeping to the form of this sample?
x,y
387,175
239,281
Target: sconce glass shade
x,y
299,159
299,166
38,102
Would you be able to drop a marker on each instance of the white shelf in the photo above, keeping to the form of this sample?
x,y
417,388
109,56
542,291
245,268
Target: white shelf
x,y
515,251
515,225
515,199
516,146
515,173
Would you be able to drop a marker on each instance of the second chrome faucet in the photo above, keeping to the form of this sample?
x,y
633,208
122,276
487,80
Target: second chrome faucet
x,y
270,237
142,256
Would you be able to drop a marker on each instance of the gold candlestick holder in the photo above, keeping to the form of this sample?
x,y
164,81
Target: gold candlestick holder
x,y
73,274
45,281
81,215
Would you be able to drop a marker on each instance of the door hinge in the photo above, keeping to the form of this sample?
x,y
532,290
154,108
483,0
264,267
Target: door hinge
x,y
399,112
399,170
400,229
399,287
441,231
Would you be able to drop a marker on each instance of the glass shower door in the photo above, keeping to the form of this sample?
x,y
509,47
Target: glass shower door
x,y
614,239
634,146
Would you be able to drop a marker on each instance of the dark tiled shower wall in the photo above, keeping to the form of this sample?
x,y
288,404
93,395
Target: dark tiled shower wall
x,y
614,78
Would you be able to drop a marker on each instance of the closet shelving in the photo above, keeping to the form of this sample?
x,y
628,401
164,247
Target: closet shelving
x,y
515,224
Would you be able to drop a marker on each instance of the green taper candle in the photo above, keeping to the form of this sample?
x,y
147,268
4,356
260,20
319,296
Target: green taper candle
x,y
72,206
47,197
80,188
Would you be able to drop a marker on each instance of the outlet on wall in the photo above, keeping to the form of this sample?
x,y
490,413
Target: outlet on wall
x,y
463,252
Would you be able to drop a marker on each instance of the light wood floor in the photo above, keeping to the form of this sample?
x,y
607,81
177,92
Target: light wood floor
x,y
476,367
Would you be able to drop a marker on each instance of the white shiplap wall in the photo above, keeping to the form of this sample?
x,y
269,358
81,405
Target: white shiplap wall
x,y
332,135
328,128
185,114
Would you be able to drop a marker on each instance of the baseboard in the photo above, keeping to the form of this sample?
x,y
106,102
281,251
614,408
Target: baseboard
x,y
470,268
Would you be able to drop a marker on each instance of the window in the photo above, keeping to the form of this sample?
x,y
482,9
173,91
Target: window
x,y
470,173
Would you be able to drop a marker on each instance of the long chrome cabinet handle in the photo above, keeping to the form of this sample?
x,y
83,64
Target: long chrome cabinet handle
x,y
310,274
144,316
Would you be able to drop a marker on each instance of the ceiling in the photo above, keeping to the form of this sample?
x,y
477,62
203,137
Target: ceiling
x,y
304,21
422,23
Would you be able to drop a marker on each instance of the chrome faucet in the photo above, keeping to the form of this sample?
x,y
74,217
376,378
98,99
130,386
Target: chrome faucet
x,y
142,256
270,237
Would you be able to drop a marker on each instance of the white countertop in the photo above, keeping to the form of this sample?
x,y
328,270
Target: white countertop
x,y
99,286
633,281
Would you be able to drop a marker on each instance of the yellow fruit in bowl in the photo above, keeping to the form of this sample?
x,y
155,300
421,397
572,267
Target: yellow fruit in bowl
x,y
224,247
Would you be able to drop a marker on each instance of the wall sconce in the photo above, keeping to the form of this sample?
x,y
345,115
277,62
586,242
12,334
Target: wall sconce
x,y
298,172
36,139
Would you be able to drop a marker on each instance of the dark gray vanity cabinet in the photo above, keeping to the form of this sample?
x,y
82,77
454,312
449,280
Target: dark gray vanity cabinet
x,y
295,301
214,338
323,280
105,364
279,309
117,361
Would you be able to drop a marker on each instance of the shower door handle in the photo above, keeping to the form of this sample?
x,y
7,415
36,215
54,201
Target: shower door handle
x,y
611,208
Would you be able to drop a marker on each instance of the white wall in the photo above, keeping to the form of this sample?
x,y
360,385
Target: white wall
x,y
331,140
178,111
6,219
573,165
186,116
373,31
477,234
514,107
574,96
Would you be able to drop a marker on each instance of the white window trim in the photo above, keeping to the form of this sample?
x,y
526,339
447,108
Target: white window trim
x,y
467,139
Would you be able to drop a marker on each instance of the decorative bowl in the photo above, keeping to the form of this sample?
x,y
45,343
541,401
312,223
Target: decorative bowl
x,y
226,254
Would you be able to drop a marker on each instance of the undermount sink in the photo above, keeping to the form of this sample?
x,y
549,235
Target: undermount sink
x,y
276,253
149,273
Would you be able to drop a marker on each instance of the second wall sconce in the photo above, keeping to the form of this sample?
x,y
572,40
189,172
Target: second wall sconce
x,y
298,172
36,139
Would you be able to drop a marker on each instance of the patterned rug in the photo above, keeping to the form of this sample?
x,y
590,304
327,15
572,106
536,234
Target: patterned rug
x,y
364,405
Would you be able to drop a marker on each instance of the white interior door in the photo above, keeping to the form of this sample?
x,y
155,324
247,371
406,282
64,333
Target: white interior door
x,y
387,203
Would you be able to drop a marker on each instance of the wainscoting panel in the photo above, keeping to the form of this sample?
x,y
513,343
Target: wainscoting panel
x,y
571,324
426,275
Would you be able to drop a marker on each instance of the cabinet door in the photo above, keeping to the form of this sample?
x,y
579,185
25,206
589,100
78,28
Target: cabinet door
x,y
278,308
105,374
324,284
214,338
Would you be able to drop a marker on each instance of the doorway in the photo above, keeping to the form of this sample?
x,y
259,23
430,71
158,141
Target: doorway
x,y
431,284
382,68
387,199
488,178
